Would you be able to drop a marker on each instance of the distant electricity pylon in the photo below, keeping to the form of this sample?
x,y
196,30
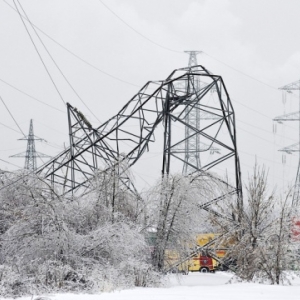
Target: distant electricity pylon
x,y
295,116
193,146
31,154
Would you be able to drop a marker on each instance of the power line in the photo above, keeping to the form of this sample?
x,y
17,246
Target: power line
x,y
263,158
53,145
251,109
259,137
33,27
142,35
263,129
60,132
10,163
17,89
48,143
74,54
59,69
210,56
3,150
176,51
137,32
241,72
52,80
12,116
258,112
248,166
9,127
58,147
124,81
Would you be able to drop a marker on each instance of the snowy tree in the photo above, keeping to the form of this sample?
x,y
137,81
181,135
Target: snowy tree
x,y
180,214
281,253
260,243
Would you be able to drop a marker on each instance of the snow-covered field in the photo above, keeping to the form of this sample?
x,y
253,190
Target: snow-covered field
x,y
194,285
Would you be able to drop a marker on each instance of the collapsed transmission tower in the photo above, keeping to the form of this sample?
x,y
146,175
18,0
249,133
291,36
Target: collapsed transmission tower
x,y
127,135
295,116
31,154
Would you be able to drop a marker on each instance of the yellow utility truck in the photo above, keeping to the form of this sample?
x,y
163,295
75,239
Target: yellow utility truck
x,y
199,262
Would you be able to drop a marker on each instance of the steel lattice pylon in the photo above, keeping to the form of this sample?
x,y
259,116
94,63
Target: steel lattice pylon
x,y
128,134
192,118
31,154
193,145
294,86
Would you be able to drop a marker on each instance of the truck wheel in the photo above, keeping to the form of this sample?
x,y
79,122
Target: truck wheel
x,y
204,270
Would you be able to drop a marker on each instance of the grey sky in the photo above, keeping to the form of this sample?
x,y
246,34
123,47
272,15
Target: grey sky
x,y
259,38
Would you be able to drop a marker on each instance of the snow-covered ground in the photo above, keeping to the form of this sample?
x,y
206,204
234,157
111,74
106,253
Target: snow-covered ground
x,y
194,285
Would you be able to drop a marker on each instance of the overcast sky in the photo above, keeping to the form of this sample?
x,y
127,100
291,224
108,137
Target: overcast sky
x,y
253,45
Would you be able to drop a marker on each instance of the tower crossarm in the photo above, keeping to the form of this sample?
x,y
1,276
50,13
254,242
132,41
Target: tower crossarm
x,y
294,86
22,154
295,116
202,147
36,154
290,149
34,137
42,155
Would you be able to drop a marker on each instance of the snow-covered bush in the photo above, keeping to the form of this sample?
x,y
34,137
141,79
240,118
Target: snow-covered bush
x,y
49,243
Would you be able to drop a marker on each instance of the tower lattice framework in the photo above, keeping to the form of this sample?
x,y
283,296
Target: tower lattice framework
x,y
295,116
192,118
124,138
193,145
31,154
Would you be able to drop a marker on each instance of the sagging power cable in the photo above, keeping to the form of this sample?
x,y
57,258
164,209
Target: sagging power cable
x,y
59,69
12,116
36,49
